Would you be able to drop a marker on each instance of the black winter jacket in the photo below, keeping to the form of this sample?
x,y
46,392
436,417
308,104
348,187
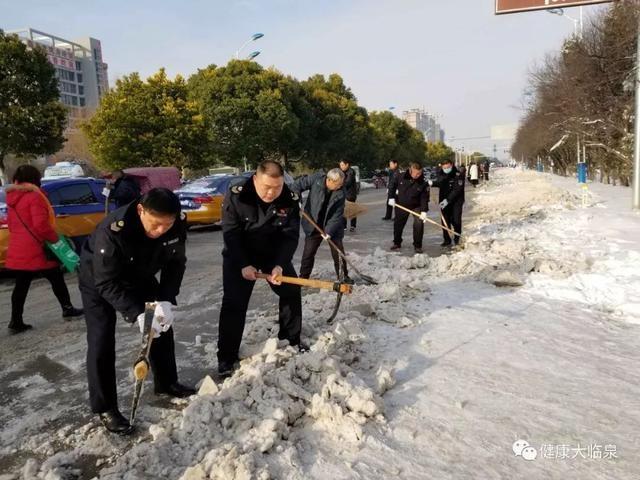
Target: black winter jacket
x,y
255,237
412,194
333,218
350,185
451,186
119,262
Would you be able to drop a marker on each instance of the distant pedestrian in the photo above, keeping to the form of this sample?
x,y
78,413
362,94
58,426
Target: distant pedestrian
x,y
473,174
350,189
485,169
125,189
412,193
392,185
325,205
31,222
451,197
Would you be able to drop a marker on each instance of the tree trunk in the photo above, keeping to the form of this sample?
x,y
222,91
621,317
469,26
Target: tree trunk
x,y
3,179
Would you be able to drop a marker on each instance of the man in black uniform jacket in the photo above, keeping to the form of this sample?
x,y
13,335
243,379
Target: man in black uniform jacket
x,y
392,186
118,267
412,193
260,227
451,197
325,205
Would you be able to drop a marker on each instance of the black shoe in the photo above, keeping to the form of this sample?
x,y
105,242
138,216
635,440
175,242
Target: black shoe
x,y
386,218
417,249
348,280
445,244
226,369
352,229
115,422
18,327
303,347
68,312
395,247
176,390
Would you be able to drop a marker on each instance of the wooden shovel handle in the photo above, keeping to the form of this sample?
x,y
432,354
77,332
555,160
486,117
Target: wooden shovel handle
x,y
428,220
307,282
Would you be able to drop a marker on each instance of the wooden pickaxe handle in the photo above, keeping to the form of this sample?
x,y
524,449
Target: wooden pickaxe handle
x,y
428,219
308,282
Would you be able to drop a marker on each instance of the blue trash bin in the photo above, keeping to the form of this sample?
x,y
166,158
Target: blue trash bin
x,y
582,172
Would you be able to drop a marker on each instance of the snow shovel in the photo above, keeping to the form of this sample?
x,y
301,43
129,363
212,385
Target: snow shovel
x,y
141,365
427,220
311,283
365,278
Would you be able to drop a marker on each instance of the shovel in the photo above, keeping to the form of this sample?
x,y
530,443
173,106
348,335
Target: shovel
x,y
427,220
141,365
311,283
365,278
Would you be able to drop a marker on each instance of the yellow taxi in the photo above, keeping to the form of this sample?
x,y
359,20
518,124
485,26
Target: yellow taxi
x,y
201,200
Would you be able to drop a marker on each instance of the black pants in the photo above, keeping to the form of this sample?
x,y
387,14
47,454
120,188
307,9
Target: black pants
x,y
235,300
311,245
398,226
474,182
453,215
23,282
101,353
389,212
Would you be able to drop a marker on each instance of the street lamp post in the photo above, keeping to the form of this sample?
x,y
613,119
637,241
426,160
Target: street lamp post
x,y
578,23
253,38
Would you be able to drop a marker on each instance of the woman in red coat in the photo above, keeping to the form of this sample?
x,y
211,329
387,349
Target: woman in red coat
x,y
31,222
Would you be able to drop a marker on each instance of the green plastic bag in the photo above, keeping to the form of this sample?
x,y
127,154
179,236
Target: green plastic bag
x,y
64,252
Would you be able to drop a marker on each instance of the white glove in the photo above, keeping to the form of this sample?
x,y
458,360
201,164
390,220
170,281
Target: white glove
x,y
423,216
444,203
155,326
164,315
430,182
325,236
392,202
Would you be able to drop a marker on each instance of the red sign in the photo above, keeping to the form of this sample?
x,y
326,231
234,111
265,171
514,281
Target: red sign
x,y
514,6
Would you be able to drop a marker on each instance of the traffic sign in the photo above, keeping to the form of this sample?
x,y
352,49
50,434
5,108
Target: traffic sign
x,y
514,6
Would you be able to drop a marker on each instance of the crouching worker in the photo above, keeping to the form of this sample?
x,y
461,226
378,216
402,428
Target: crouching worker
x,y
118,268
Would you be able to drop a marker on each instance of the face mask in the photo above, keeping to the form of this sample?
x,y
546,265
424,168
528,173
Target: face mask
x,y
447,170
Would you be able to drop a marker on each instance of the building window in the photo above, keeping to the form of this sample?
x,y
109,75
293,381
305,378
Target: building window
x,y
82,102
74,101
81,90
78,65
80,78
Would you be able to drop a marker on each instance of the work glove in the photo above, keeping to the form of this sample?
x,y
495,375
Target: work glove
x,y
392,202
164,315
156,328
444,203
423,216
430,182
326,236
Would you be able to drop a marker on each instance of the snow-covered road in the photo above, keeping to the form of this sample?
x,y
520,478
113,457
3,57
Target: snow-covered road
x,y
435,373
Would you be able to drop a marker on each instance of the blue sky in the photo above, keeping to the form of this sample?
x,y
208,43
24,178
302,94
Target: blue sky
x,y
452,57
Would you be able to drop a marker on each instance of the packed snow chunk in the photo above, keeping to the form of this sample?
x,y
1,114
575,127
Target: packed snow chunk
x,y
505,278
364,309
208,387
194,473
156,432
270,346
389,292
384,379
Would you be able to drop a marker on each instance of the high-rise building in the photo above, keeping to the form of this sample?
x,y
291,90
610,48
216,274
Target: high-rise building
x,y
81,73
424,122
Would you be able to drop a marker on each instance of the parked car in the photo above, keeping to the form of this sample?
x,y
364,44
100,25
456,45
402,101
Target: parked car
x,y
78,204
201,200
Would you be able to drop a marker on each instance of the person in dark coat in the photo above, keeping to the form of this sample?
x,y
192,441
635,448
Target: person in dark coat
x,y
350,189
260,228
392,185
31,222
486,166
125,189
118,267
325,205
450,182
412,193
